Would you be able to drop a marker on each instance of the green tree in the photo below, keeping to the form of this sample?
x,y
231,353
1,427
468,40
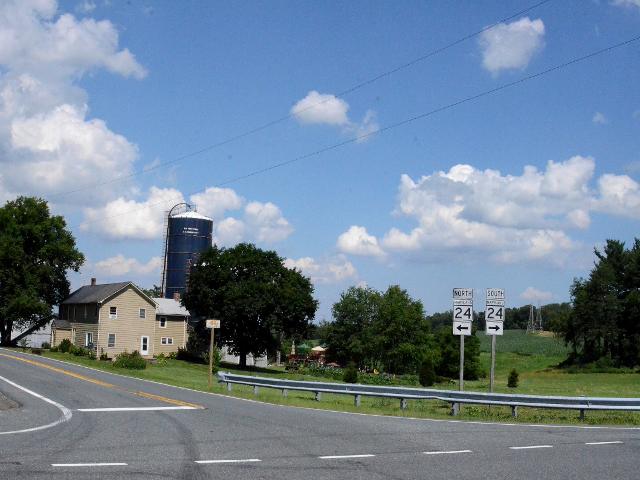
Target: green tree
x,y
36,251
605,319
253,294
447,354
350,336
401,332
155,292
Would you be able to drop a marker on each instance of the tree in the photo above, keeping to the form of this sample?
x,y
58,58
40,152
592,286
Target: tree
x,y
350,336
253,294
155,292
36,251
401,332
447,354
605,319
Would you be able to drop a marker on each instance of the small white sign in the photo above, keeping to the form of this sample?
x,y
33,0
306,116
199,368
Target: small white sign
x,y
495,293
213,323
494,328
461,328
463,293
462,305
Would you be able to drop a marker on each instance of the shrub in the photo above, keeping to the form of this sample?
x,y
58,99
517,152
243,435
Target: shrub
x,y
173,355
54,349
78,351
427,374
512,381
104,356
132,361
350,375
162,360
46,345
183,354
92,355
65,345
217,358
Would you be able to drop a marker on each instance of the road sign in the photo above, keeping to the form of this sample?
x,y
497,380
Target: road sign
x,y
461,328
462,304
494,328
213,323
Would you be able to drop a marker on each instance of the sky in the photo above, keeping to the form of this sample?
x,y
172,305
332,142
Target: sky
x,y
430,145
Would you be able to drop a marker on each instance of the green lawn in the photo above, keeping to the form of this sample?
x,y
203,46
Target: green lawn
x,y
537,377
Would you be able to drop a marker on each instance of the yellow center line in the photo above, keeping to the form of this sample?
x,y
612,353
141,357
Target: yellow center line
x,y
98,382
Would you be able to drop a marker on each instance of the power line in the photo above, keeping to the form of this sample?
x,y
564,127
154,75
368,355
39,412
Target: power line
x,y
274,122
390,127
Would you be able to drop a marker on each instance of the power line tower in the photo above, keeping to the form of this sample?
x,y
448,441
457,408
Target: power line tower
x,y
535,319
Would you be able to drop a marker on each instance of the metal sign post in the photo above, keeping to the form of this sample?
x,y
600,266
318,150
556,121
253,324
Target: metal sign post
x,y
462,318
211,324
494,317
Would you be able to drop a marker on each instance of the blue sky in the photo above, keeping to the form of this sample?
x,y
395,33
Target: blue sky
x,y
510,190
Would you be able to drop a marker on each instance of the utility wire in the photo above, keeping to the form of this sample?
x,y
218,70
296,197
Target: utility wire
x,y
390,127
274,122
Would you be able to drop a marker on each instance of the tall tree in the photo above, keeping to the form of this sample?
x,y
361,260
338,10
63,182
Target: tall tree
x,y
36,251
253,294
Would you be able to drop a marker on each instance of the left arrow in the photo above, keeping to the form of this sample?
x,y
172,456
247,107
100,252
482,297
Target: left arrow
x,y
460,328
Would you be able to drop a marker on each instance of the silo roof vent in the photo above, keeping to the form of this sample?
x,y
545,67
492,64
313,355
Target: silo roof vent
x,y
190,215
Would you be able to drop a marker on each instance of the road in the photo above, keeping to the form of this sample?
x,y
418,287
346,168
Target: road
x,y
75,422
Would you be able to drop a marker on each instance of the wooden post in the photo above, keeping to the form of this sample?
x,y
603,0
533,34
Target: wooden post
x,y
211,358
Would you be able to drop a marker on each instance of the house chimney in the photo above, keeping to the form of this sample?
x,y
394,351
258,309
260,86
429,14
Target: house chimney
x,y
93,282
176,296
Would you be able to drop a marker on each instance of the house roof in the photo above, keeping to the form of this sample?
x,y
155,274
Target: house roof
x,y
62,324
168,306
98,293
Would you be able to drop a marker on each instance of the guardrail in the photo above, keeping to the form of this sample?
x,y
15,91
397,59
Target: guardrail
x,y
454,397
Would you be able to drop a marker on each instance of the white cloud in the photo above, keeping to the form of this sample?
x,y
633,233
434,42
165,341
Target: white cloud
x,y
85,7
46,143
321,108
214,202
119,265
627,3
327,271
531,295
121,219
265,223
511,46
357,241
317,108
505,219
600,118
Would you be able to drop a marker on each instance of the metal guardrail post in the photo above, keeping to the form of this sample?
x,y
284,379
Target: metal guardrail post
x,y
255,390
514,411
454,409
318,396
228,386
356,401
403,403
284,393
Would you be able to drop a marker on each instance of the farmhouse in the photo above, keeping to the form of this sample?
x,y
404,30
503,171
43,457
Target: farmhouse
x,y
111,318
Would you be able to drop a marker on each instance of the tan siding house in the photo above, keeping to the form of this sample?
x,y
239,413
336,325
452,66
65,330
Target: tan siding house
x,y
109,319
171,326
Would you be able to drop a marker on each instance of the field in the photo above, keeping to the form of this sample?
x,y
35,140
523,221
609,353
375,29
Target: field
x,y
534,356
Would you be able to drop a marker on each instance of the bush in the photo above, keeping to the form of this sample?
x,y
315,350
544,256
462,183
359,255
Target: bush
x,y
350,375
54,349
183,354
217,358
162,360
427,374
104,356
512,381
65,345
132,361
78,351
46,345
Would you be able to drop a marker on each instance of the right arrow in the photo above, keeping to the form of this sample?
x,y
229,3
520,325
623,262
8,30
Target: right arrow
x,y
495,327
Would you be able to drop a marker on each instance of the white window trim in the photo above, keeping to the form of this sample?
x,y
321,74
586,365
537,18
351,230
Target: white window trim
x,y
88,340
163,319
166,341
143,313
114,340
113,316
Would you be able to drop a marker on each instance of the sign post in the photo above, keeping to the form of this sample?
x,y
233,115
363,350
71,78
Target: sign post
x,y
494,319
462,318
212,325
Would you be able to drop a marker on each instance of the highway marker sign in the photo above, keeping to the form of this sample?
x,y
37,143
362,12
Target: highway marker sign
x,y
494,328
461,328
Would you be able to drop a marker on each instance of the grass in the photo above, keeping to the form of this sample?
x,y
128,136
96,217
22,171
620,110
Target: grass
x,y
534,357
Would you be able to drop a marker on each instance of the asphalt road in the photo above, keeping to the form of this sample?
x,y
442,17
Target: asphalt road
x,y
74,422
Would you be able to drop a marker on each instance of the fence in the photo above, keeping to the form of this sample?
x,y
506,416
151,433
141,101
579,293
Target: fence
x,y
454,397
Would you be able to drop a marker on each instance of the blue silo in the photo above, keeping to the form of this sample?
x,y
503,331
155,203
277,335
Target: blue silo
x,y
188,233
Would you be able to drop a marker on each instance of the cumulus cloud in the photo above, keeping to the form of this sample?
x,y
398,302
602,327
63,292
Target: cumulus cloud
x,y
261,223
627,3
214,202
326,271
128,219
599,118
85,7
317,108
357,241
119,265
512,45
502,218
43,124
531,295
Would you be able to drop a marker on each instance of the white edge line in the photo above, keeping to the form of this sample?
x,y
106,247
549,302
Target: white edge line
x,y
330,457
66,413
424,419
602,443
126,409
88,464
245,460
452,451
531,446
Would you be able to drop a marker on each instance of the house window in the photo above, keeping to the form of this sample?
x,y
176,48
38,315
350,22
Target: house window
x,y
88,339
113,312
111,340
163,322
143,313
167,341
